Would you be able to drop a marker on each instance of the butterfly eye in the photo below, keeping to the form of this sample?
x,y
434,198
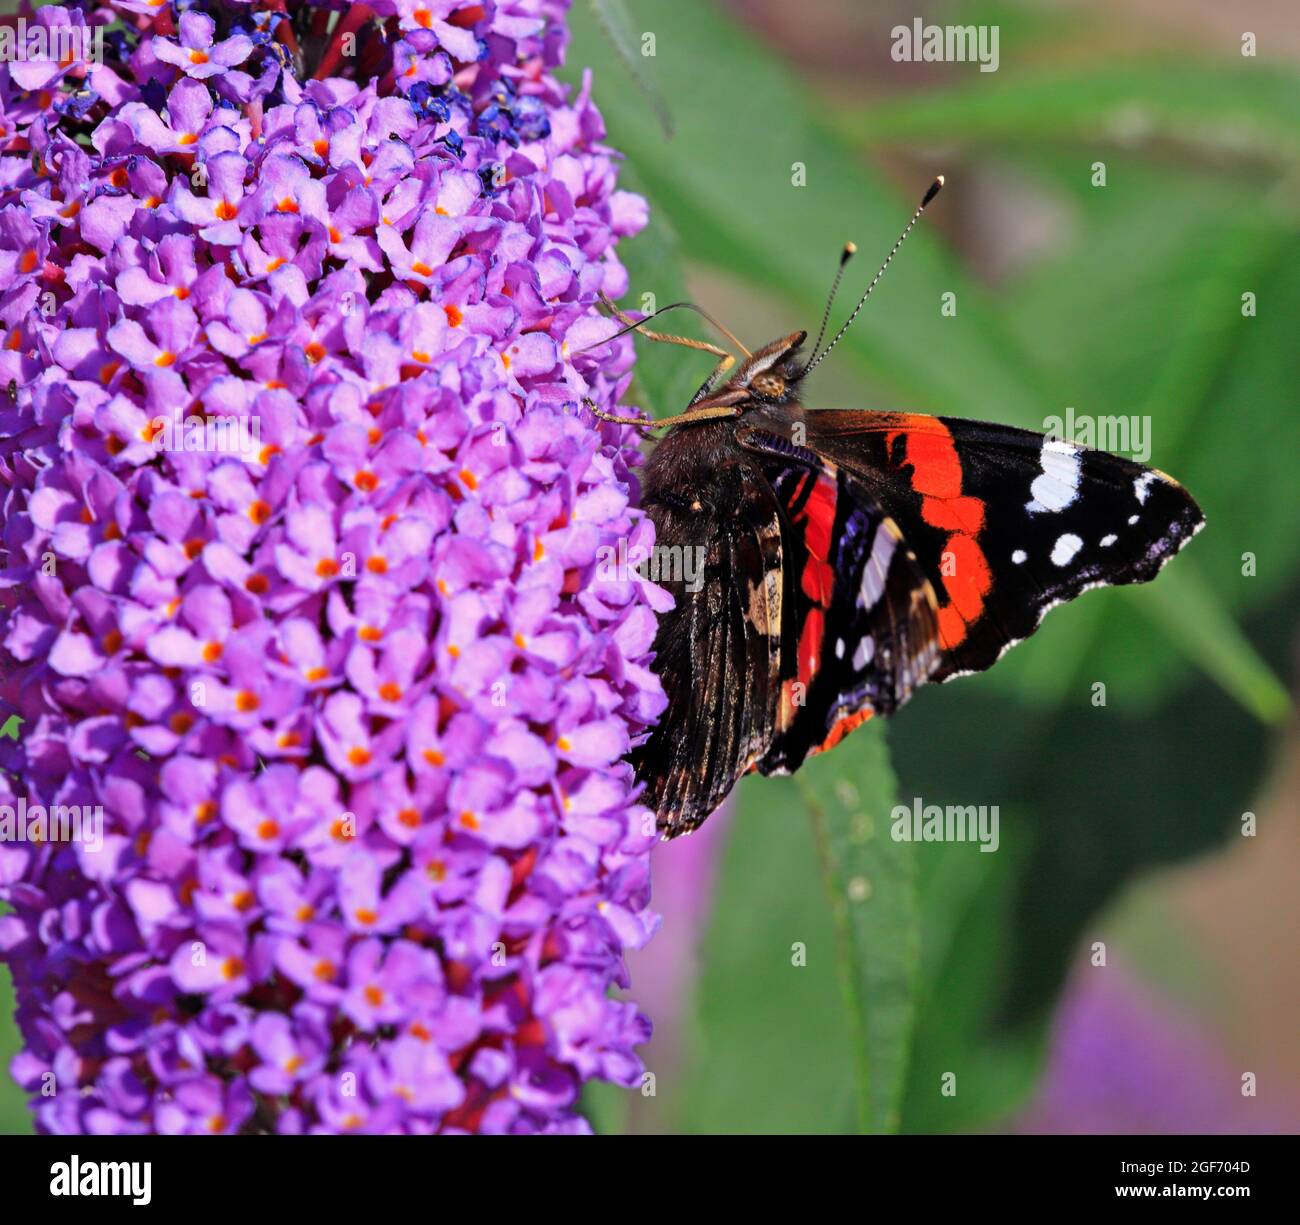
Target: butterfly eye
x,y
769,385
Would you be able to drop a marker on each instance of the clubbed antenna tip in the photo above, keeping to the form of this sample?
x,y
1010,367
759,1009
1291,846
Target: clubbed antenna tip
x,y
933,191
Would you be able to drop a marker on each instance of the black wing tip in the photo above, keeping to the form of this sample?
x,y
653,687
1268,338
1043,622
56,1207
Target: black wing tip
x,y
1177,537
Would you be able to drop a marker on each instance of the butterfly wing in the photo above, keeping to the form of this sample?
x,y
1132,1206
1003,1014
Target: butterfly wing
x,y
1007,523
860,613
890,550
719,651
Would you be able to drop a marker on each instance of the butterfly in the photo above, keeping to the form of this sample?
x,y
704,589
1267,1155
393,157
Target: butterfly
x,y
850,556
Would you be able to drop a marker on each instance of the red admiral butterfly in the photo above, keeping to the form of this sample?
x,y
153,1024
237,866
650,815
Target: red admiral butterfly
x,y
851,556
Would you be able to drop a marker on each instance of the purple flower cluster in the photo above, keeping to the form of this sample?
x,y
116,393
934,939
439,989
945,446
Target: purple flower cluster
x,y
351,700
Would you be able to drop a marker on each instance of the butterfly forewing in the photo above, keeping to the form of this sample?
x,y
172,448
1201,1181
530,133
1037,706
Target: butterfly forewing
x,y
1007,523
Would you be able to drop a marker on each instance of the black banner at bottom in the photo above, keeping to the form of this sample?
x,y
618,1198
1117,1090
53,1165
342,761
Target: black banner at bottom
x,y
169,1174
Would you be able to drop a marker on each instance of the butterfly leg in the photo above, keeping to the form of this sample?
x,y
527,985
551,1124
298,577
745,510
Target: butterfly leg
x,y
671,338
700,414
725,359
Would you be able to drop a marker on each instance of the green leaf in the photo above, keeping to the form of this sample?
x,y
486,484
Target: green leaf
x,y
605,1106
10,728
1000,929
1211,109
768,1047
666,375
15,1118
773,1048
616,22
870,879
1140,313
1187,608
728,181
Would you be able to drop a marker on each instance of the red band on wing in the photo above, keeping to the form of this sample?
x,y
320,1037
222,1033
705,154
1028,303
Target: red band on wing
x,y
964,515
817,521
952,627
843,726
969,580
936,475
936,468
810,645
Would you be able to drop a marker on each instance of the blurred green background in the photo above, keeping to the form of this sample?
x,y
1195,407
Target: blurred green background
x,y
936,966
1121,824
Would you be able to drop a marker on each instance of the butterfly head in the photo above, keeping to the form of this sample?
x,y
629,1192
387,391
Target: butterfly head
x,y
772,374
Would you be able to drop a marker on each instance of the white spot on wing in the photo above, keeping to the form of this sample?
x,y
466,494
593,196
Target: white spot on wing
x,y
839,648
1065,548
1018,557
864,653
1058,483
1141,485
1107,541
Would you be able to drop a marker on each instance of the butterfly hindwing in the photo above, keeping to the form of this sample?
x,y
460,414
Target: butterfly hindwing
x,y
719,651
860,614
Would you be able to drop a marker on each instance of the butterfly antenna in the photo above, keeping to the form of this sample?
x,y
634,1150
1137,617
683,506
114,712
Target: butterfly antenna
x,y
930,194
849,251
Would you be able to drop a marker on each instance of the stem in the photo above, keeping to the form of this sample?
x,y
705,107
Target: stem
x,y
854,1004
320,22
349,23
